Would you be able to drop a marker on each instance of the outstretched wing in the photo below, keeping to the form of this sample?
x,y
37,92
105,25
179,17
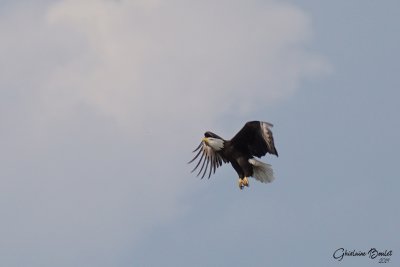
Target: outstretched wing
x,y
256,138
209,159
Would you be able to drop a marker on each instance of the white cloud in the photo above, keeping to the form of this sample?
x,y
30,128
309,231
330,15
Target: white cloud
x,y
90,89
130,60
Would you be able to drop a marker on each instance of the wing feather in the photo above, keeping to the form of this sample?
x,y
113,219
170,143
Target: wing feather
x,y
195,156
202,166
255,138
212,166
198,147
205,169
209,160
201,158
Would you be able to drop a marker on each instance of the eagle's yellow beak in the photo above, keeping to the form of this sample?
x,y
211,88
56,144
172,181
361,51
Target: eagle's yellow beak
x,y
205,140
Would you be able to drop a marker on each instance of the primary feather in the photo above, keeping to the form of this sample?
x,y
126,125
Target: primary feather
x,y
209,157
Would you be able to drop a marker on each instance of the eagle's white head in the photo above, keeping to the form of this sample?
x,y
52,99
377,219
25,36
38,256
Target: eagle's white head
x,y
215,143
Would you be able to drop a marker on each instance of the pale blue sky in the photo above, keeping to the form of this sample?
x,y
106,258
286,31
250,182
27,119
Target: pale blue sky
x,y
103,102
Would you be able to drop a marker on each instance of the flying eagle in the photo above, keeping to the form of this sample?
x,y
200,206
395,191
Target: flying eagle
x,y
253,140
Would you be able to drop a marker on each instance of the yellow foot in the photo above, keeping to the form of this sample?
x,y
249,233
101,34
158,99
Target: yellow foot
x,y
240,183
243,182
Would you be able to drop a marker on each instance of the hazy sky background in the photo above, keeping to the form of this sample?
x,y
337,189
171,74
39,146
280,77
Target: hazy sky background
x,y
102,102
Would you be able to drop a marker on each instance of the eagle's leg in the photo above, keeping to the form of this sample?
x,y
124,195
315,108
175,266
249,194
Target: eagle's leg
x,y
243,182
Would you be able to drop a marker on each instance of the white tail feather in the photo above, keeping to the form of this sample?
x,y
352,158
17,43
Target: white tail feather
x,y
262,171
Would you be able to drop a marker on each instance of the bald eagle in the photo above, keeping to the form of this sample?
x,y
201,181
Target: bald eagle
x,y
253,140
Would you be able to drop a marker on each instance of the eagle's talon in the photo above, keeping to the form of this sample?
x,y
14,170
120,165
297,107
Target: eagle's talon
x,y
245,181
240,182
